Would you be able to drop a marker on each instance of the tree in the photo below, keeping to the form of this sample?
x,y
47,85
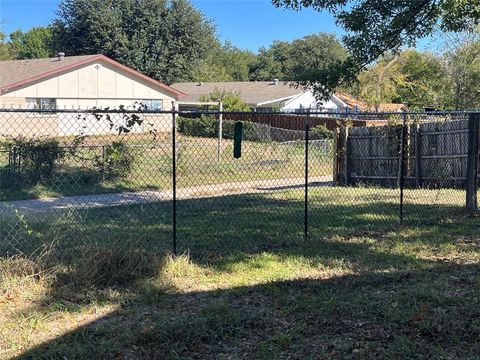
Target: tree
x,y
5,48
303,60
374,27
426,82
315,57
231,101
225,63
163,39
272,62
378,84
237,62
464,66
418,79
209,71
33,44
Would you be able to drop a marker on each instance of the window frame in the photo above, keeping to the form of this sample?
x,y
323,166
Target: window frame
x,y
39,103
149,104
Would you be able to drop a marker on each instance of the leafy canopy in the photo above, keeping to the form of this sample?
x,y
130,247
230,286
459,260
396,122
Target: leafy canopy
x,y
225,62
417,79
273,62
164,39
36,43
374,27
232,101
307,60
5,48
464,67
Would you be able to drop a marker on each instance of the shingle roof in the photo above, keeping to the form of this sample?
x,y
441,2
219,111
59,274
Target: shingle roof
x,y
392,107
351,101
252,92
13,71
258,92
16,73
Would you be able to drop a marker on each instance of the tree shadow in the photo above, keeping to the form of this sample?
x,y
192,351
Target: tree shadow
x,y
69,182
220,232
426,313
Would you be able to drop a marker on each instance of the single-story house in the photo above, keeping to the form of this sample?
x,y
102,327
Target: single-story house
x,y
75,82
276,95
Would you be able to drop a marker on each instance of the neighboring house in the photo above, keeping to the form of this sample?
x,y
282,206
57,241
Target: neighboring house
x,y
306,101
362,106
73,82
276,95
258,94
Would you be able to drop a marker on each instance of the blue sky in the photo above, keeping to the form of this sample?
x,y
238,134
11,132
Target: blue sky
x,y
248,24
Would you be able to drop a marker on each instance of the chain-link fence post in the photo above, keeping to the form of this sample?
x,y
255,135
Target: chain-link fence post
x,y
402,163
305,229
174,179
103,163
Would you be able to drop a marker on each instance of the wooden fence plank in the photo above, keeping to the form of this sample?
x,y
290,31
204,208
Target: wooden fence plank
x,y
435,154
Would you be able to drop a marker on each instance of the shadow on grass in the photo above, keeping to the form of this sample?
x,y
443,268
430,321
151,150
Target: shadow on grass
x,y
431,313
70,182
122,247
210,227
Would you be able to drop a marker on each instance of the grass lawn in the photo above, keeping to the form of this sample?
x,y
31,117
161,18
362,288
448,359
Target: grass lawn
x,y
100,283
197,164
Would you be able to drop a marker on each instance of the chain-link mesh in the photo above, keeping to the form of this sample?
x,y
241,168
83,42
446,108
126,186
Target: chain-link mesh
x,y
250,203
91,182
79,187
435,167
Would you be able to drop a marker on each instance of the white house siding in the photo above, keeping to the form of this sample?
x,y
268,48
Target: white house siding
x,y
28,124
96,85
307,100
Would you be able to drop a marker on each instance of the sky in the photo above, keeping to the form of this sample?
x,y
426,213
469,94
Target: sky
x,y
248,24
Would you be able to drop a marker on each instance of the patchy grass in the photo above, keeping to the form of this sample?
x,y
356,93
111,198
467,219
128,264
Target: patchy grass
x,y
247,285
197,164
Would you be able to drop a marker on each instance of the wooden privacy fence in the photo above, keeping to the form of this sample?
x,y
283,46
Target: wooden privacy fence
x,y
297,122
435,154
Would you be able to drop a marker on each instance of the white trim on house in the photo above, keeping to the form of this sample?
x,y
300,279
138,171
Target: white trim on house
x,y
338,101
277,100
307,100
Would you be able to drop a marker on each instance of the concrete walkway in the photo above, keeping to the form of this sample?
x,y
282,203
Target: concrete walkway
x,y
152,196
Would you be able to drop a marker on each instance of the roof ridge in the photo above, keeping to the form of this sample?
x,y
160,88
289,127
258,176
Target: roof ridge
x,y
67,64
49,58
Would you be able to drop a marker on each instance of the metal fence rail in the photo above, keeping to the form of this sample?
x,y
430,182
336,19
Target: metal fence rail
x,y
152,182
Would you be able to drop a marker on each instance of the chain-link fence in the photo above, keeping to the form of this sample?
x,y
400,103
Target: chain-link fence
x,y
142,183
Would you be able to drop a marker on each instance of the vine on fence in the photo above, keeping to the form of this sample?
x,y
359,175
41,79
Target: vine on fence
x,y
117,158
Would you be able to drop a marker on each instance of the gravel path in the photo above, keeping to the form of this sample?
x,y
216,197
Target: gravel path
x,y
151,196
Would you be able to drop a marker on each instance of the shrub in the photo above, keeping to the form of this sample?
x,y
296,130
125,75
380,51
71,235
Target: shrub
x,y
323,132
116,160
202,127
206,126
35,160
232,101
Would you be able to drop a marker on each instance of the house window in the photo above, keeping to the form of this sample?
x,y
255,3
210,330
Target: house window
x,y
153,104
41,103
